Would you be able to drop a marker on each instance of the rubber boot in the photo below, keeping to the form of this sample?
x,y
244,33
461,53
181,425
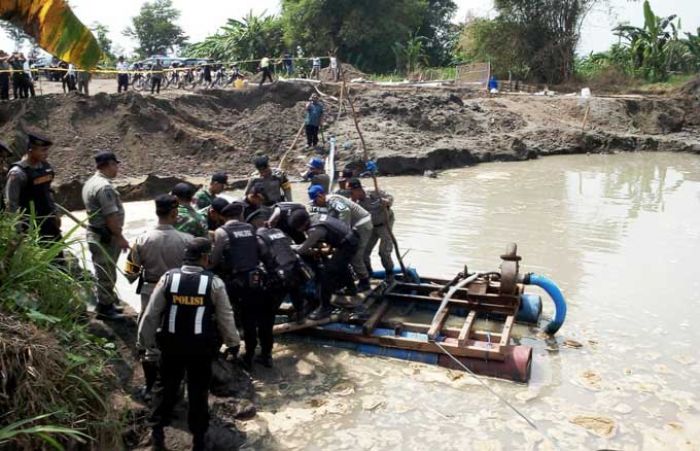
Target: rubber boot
x,y
323,311
247,361
363,284
150,374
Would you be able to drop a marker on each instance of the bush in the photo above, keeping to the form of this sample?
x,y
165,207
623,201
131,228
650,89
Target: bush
x,y
51,369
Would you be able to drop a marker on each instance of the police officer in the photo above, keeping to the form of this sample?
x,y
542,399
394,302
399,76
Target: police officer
x,y
317,174
378,204
343,241
190,314
281,214
105,237
151,256
254,199
235,258
343,180
204,196
275,183
189,220
29,187
213,214
356,218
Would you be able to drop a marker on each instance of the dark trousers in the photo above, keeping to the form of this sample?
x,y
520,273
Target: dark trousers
x,y
122,82
266,75
17,86
5,86
172,370
155,85
258,315
311,135
337,273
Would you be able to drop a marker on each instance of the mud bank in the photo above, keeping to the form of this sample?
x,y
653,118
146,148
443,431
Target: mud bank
x,y
407,130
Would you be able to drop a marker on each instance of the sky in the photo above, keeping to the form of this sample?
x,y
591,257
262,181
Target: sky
x,y
203,17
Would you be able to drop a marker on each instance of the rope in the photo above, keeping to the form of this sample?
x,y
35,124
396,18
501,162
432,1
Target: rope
x,y
502,399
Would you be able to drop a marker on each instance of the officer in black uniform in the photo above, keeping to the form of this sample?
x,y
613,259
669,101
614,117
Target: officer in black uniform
x,y
254,199
29,187
187,318
280,218
213,213
342,239
274,182
235,258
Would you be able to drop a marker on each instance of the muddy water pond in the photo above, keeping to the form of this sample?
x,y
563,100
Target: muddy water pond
x,y
619,233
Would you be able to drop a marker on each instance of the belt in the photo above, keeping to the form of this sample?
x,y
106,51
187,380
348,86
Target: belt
x,y
363,221
379,225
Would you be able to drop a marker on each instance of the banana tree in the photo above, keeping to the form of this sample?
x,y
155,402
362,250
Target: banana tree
x,y
649,45
693,46
55,28
410,54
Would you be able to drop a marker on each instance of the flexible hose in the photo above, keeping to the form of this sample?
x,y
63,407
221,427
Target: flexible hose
x,y
557,297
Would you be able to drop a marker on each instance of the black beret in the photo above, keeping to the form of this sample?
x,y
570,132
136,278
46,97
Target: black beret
x,y
218,204
261,162
196,248
220,177
183,190
355,184
298,218
233,210
35,139
105,157
165,203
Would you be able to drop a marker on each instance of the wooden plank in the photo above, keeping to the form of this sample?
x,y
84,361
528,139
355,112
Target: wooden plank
x,y
438,321
293,326
507,328
451,332
413,345
463,336
376,316
466,303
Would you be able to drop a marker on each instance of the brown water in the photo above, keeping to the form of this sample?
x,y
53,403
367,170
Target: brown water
x,y
620,234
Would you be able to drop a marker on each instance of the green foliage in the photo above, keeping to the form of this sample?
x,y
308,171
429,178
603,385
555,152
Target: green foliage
x,y
439,32
650,47
48,359
410,54
247,39
361,32
155,29
101,34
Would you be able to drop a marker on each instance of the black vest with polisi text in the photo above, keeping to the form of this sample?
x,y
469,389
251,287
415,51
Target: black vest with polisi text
x,y
280,246
337,232
241,254
189,325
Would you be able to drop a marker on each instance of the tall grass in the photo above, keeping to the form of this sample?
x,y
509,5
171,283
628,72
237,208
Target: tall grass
x,y
53,373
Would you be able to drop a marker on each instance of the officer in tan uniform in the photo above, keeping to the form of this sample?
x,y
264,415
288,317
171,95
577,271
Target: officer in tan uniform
x,y
152,255
105,237
277,187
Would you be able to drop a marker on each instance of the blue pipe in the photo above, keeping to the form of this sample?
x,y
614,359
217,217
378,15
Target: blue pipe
x,y
555,293
530,308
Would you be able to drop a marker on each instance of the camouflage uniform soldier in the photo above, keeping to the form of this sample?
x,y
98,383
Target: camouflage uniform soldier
x,y
189,220
205,196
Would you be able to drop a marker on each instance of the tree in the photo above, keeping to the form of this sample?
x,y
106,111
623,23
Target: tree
x,y
250,38
438,31
361,32
410,54
101,34
155,28
16,34
651,46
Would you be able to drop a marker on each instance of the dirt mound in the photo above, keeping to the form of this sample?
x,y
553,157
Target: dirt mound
x,y
349,71
692,88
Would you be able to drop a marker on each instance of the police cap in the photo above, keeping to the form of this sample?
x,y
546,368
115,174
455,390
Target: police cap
x,y
355,184
165,203
220,177
233,210
218,204
183,190
105,157
36,140
315,191
196,248
261,162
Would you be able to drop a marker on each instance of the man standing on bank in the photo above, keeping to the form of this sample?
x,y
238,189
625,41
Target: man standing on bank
x,y
313,120
204,197
151,256
190,312
105,238
29,187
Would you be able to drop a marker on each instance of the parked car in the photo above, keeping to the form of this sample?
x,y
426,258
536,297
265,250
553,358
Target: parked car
x,y
44,64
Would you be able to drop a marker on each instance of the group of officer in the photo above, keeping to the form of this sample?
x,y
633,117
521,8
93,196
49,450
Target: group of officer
x,y
211,267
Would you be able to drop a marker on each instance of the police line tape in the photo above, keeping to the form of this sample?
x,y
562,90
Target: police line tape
x,y
150,71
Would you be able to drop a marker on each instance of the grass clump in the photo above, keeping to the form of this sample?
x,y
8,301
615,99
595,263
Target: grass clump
x,y
53,373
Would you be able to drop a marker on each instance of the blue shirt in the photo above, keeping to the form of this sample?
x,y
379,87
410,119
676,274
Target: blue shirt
x,y
314,111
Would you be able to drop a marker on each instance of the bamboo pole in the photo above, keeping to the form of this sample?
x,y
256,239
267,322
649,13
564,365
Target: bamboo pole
x,y
294,143
374,177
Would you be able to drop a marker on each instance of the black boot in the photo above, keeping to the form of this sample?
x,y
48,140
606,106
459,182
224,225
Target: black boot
x,y
323,311
363,284
265,360
150,374
198,442
108,313
158,439
247,361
